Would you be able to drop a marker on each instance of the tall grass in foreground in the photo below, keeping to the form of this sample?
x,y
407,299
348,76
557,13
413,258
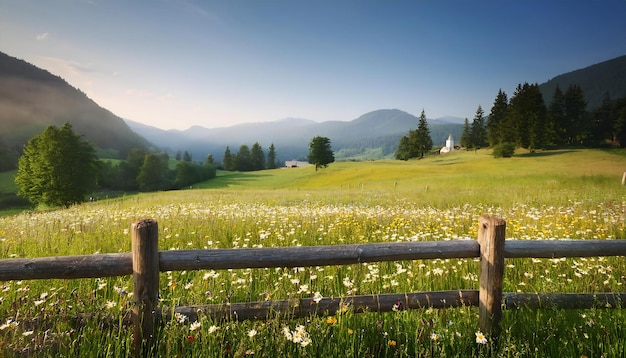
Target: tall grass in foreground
x,y
47,318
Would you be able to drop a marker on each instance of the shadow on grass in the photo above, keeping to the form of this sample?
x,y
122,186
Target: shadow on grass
x,y
544,153
230,179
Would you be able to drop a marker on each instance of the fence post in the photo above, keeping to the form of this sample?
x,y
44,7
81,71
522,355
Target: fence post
x,y
491,235
145,252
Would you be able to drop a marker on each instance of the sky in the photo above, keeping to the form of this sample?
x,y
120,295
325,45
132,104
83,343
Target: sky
x,y
174,64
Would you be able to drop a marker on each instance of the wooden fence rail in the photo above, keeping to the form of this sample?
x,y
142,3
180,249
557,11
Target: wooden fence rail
x,y
145,262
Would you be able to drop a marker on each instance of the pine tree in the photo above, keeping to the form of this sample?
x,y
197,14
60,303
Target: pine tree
x,y
497,123
466,136
527,112
556,121
577,130
403,152
243,159
424,141
271,157
479,133
320,152
257,157
228,161
57,168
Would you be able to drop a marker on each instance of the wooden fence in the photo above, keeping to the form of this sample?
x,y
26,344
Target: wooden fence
x,y
145,262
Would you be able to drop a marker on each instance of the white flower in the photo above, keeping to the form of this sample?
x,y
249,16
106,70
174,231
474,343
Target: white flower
x,y
110,304
27,333
317,297
195,325
180,318
213,328
480,338
9,324
252,333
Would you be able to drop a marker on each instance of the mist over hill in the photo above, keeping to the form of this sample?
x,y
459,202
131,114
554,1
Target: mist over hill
x,y
32,99
373,135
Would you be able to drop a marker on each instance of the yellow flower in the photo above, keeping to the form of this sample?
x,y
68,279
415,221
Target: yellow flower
x,y
350,331
392,343
331,320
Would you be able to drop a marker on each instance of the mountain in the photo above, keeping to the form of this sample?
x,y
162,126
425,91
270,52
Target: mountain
x,y
373,135
595,81
31,99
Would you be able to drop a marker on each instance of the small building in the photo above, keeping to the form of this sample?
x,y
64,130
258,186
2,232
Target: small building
x,y
449,145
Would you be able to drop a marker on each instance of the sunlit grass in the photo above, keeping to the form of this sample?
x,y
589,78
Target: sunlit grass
x,y
575,195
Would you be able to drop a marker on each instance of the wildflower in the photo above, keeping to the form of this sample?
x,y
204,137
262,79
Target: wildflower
x,y
249,352
195,325
110,304
180,318
331,320
350,331
27,333
287,333
317,297
252,333
392,343
213,329
397,306
190,338
9,324
480,338
434,336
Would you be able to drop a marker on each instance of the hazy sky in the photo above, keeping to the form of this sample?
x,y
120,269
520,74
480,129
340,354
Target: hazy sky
x,y
178,63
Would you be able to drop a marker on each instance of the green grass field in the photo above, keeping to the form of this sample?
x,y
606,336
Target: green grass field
x,y
574,194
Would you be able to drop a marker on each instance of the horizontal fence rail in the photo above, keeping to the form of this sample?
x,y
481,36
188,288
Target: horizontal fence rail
x,y
109,265
145,262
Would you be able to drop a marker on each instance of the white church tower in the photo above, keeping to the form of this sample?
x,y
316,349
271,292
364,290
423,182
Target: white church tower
x,y
449,145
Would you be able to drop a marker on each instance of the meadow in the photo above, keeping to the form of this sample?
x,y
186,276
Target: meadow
x,y
575,194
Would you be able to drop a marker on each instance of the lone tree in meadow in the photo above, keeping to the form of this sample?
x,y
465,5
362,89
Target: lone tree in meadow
x,y
57,168
320,152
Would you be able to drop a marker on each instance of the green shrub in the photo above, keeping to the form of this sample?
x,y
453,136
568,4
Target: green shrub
x,y
504,150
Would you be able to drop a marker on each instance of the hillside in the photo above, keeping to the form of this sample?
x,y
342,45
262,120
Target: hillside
x,y
595,81
374,135
32,99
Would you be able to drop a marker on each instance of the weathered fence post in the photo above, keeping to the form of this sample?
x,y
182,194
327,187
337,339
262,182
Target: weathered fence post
x,y
145,251
491,235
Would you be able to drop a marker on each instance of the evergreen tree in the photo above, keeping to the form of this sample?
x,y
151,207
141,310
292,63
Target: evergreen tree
x,y
320,152
243,159
424,141
602,129
497,122
154,174
403,152
57,168
528,112
479,133
577,129
209,160
228,162
186,156
257,157
466,136
557,124
271,157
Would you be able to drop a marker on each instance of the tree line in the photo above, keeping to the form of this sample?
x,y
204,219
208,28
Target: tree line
x,y
59,168
247,159
525,121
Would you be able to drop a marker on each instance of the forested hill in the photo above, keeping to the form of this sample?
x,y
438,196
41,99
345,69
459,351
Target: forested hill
x,y
595,81
31,99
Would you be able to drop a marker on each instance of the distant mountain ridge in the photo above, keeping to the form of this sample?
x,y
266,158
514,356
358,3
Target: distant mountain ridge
x,y
31,99
377,131
595,81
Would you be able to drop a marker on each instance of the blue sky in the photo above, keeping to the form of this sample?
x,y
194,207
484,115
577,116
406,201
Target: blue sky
x,y
174,64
